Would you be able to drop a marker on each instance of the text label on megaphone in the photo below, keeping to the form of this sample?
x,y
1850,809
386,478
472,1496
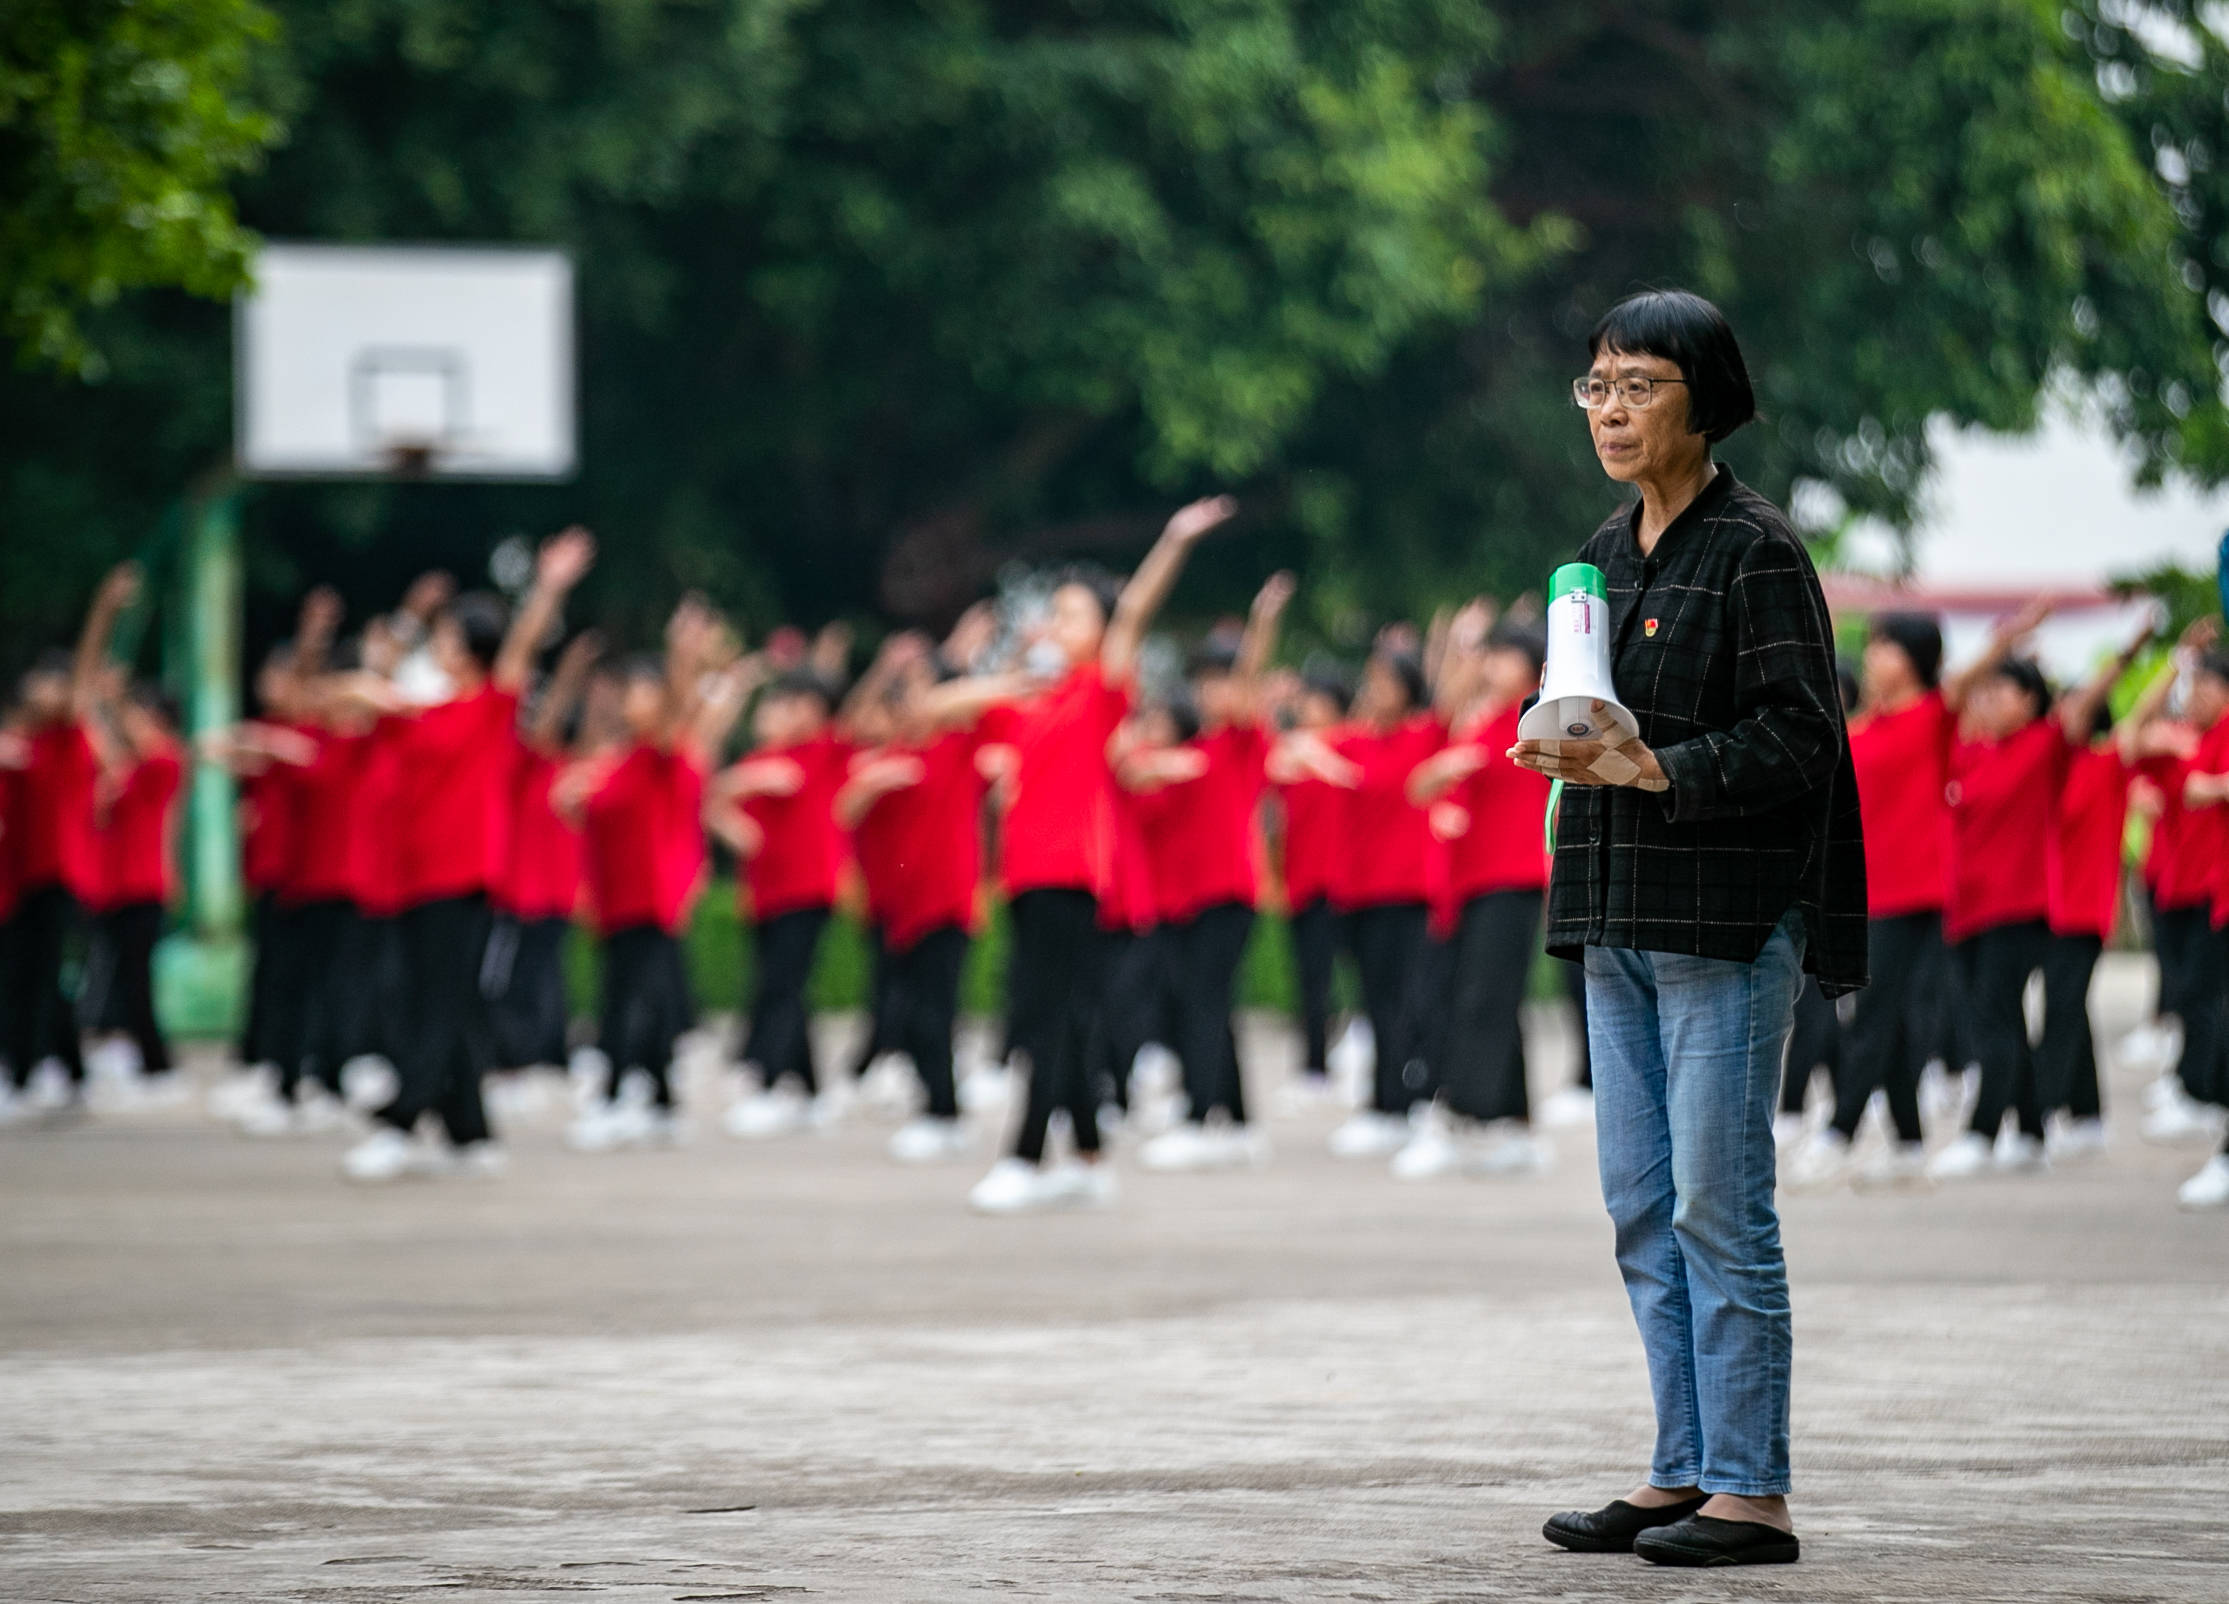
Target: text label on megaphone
x,y
1577,673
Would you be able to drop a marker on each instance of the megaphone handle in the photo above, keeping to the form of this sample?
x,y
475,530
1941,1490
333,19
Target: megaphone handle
x,y
1548,819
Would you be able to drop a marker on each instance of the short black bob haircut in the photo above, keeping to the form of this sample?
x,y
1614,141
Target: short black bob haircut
x,y
1510,635
482,619
1408,668
801,683
1684,329
1919,637
2027,674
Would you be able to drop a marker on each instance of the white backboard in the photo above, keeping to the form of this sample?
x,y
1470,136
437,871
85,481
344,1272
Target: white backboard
x,y
382,361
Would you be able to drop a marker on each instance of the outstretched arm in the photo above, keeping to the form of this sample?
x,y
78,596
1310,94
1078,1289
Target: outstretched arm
x,y
2077,709
117,591
1259,643
564,559
563,693
1149,587
2007,635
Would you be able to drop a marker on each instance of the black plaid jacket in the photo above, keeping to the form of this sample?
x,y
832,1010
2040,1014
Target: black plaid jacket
x,y
1721,647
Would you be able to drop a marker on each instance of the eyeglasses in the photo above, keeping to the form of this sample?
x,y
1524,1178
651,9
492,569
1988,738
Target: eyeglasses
x,y
1636,392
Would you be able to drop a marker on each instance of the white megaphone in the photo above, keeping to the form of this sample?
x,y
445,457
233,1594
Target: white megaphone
x,y
1577,673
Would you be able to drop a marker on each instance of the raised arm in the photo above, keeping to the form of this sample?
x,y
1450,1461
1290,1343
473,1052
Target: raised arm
x,y
899,653
1259,643
1142,598
316,625
118,589
563,560
547,732
1455,680
2007,635
2077,710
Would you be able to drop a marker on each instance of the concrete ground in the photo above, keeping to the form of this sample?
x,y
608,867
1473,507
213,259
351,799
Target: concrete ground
x,y
797,1370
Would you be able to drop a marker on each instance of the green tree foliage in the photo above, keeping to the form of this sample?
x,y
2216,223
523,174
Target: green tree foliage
x,y
877,294
122,122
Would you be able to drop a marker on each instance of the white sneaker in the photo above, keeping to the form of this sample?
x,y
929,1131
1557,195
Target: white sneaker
x,y
1787,1131
2018,1153
890,1086
2075,1139
588,1074
1967,1155
1353,1059
481,1161
1369,1134
317,1112
2182,1119
831,1106
1073,1184
1893,1165
51,1088
386,1155
1431,1154
1507,1153
267,1118
768,1114
1819,1163
1573,1105
1185,1147
231,1096
930,1141
2152,1047
988,1087
1156,1072
608,1127
368,1081
2209,1188
1011,1187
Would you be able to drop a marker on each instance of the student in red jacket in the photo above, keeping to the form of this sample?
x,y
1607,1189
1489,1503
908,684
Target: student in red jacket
x,y
456,758
777,810
1386,889
1055,861
2084,872
139,876
913,804
2204,1069
2007,770
1312,836
56,854
1497,878
541,885
1208,884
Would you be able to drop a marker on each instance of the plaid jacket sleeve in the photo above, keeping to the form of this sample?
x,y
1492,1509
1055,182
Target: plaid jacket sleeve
x,y
1788,737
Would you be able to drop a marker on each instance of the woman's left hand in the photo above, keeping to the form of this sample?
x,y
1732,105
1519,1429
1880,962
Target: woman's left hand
x,y
1621,760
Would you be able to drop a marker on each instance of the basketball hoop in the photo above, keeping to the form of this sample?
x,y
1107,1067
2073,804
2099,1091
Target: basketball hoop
x,y
408,363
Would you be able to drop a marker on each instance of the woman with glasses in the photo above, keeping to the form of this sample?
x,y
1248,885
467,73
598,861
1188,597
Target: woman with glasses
x,y
1700,870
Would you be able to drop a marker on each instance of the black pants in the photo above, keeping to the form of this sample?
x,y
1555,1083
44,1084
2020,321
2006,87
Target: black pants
x,y
127,937
1890,1031
283,965
318,1051
1480,1060
445,1037
1389,946
646,1007
524,981
1316,931
369,1000
1059,954
781,1038
2179,935
884,1026
1997,964
924,1005
1136,1006
2205,1062
1204,955
1814,1044
42,1020
2066,1059
267,961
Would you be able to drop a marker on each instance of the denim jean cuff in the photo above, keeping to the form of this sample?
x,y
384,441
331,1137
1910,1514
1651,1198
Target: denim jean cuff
x,y
1745,1489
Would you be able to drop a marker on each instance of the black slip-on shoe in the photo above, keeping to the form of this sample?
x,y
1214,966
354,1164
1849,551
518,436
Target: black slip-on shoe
x,y
1707,1540
1611,1529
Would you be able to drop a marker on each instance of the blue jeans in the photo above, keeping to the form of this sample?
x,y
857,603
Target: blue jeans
x,y
1686,1075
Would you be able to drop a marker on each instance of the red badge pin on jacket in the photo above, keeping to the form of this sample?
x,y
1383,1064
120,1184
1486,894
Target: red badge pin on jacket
x,y
1648,627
